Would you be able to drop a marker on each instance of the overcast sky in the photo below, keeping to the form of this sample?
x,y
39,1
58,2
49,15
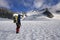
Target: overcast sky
x,y
27,5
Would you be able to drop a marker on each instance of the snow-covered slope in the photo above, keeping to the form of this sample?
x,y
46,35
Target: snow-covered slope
x,y
4,19
30,30
38,16
38,27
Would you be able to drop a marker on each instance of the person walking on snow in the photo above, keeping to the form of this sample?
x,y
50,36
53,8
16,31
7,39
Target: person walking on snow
x,y
17,20
18,23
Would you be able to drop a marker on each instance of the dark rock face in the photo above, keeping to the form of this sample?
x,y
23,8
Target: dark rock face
x,y
48,14
5,13
58,11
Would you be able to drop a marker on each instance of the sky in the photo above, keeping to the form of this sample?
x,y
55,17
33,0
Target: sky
x,y
27,5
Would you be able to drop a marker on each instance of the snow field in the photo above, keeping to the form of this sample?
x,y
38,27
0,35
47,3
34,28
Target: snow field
x,y
30,30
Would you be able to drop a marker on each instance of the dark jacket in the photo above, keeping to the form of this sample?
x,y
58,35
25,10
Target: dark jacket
x,y
19,19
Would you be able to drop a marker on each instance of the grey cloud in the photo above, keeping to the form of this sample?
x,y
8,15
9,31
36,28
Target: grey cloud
x,y
4,3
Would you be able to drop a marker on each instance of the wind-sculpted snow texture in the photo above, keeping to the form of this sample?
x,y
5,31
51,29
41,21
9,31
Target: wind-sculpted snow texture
x,y
30,30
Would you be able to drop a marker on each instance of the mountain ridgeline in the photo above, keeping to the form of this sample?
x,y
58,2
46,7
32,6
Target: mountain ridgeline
x,y
5,13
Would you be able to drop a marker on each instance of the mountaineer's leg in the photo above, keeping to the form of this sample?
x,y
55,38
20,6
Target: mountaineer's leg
x,y
18,27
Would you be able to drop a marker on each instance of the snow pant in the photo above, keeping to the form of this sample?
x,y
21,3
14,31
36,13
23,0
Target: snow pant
x,y
18,27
